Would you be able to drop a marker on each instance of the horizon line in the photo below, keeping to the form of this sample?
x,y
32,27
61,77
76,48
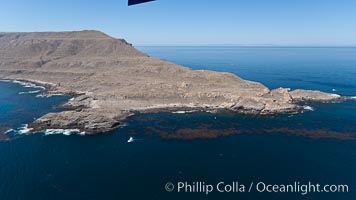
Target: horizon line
x,y
239,45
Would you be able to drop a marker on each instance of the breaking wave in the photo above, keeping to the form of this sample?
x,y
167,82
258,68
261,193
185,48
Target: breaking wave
x,y
31,92
308,108
9,131
28,84
24,129
184,112
48,95
66,132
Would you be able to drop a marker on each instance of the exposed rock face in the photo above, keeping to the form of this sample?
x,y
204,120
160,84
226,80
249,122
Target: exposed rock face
x,y
310,95
114,80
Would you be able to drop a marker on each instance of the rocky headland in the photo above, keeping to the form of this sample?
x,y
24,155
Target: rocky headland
x,y
111,80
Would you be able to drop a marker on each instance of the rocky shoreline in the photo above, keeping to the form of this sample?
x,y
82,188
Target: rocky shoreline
x,y
80,102
110,80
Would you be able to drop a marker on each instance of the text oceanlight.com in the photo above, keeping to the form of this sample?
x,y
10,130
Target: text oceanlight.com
x,y
260,187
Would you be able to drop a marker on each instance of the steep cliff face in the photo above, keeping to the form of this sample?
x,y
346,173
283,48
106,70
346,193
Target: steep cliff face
x,y
115,80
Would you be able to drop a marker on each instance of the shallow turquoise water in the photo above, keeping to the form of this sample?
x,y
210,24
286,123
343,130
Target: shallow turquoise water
x,y
314,146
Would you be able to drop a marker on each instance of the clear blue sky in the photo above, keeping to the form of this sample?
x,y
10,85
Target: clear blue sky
x,y
192,22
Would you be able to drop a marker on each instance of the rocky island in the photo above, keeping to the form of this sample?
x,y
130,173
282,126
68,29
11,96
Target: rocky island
x,y
111,80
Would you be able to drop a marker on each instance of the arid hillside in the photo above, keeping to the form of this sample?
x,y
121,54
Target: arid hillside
x,y
113,80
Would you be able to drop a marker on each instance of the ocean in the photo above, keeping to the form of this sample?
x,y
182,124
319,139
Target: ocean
x,y
194,151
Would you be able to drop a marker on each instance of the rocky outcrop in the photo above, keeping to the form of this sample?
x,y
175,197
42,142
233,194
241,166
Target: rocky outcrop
x,y
311,95
113,80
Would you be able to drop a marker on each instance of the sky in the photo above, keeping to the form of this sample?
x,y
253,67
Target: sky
x,y
192,22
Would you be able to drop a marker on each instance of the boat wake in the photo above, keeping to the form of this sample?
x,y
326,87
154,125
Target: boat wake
x,y
131,140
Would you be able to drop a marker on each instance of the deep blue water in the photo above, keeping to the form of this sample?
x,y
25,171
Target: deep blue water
x,y
316,146
291,67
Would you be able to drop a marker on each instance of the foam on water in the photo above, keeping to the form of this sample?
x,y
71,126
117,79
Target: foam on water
x,y
179,112
24,129
48,95
66,132
184,112
131,140
9,131
308,108
28,84
31,92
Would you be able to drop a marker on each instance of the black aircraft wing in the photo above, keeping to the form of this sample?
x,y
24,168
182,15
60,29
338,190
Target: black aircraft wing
x,y
134,2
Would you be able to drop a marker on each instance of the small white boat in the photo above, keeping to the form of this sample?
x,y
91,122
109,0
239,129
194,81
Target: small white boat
x,y
131,139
